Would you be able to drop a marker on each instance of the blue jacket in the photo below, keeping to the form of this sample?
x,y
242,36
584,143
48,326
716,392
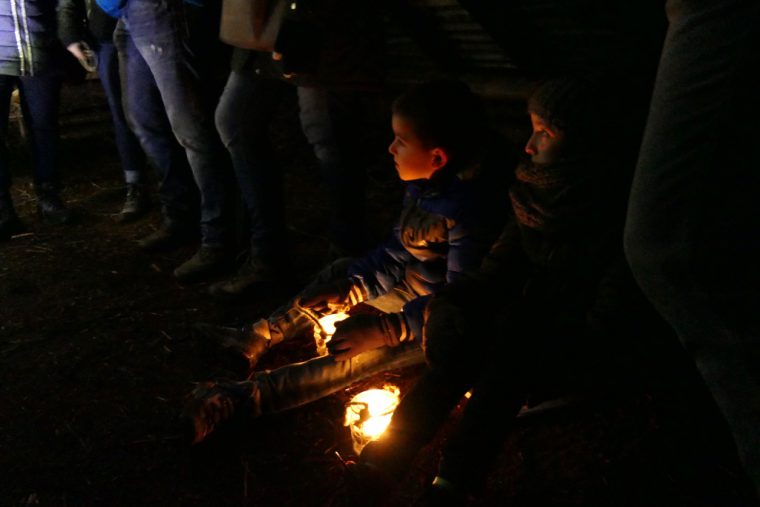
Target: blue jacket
x,y
445,229
115,8
28,41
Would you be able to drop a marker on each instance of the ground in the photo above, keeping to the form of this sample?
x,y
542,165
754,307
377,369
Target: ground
x,y
97,353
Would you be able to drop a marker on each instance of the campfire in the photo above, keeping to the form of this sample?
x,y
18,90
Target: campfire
x,y
369,413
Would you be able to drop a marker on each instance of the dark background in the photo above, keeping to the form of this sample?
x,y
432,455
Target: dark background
x,y
96,351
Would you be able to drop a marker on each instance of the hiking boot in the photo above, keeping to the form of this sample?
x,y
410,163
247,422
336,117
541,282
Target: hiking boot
x,y
168,237
211,404
250,341
207,261
136,204
51,208
254,273
10,224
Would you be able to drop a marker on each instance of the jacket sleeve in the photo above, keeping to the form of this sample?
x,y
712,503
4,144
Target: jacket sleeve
x,y
383,268
72,19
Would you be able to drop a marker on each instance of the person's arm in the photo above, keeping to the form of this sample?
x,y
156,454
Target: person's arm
x,y
72,22
73,32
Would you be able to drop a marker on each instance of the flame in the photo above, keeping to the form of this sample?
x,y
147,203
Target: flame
x,y
327,323
369,413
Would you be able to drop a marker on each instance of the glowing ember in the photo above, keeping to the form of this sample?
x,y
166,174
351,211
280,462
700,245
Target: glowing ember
x,y
325,329
369,413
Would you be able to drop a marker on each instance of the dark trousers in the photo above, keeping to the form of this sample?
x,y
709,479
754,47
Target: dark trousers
x,y
693,227
40,96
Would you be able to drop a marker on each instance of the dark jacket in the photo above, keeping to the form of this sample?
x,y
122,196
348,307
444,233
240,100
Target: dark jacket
x,y
445,228
28,42
336,44
84,20
550,301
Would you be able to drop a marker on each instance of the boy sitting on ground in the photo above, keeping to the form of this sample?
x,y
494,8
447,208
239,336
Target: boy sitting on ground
x,y
451,214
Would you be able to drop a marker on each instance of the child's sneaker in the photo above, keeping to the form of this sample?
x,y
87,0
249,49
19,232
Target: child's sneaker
x,y
212,403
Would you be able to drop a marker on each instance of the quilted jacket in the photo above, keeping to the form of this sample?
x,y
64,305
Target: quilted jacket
x,y
28,40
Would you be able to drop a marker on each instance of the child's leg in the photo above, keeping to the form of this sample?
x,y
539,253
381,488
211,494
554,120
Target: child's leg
x,y
300,383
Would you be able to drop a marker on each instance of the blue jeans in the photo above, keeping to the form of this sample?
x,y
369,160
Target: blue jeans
x,y
300,383
296,384
243,115
159,34
693,228
143,107
329,122
130,153
40,96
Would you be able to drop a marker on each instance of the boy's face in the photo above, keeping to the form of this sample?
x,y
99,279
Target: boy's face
x,y
413,160
546,144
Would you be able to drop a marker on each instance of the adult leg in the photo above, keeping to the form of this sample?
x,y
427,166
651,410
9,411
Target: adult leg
x,y
325,120
158,32
6,89
40,97
9,221
243,115
146,117
130,153
692,228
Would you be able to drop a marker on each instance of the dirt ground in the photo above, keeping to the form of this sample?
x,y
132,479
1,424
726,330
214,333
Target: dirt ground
x,y
96,354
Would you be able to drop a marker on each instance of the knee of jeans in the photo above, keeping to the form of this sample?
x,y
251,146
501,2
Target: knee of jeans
x,y
234,130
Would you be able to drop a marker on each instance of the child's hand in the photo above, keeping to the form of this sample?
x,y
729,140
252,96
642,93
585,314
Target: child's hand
x,y
360,333
326,298
331,297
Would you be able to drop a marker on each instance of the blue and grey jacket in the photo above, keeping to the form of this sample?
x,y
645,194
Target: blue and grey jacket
x,y
28,41
445,228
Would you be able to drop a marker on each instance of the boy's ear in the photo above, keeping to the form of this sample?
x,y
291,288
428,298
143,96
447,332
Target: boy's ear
x,y
440,158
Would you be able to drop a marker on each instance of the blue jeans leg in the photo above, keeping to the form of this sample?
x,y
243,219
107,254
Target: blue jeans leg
x,y
692,228
297,384
130,152
159,34
146,116
243,116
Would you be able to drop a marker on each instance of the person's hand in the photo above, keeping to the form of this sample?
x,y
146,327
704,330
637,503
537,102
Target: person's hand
x,y
331,297
364,332
84,55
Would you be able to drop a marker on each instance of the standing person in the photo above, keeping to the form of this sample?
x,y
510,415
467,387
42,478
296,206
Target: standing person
x,y
87,33
30,58
154,36
329,52
453,171
693,227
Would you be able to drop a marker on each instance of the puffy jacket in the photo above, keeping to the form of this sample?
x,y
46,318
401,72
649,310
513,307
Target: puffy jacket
x,y
28,41
446,226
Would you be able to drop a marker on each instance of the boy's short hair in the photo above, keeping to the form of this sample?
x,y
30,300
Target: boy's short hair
x,y
445,113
